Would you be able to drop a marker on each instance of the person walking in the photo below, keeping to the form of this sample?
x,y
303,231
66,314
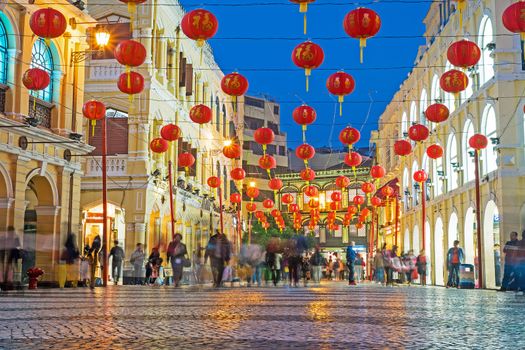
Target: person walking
x,y
93,259
273,263
116,264
317,262
219,251
520,264
71,256
421,264
335,266
509,271
153,266
351,255
358,268
410,263
455,257
379,267
137,260
389,258
176,252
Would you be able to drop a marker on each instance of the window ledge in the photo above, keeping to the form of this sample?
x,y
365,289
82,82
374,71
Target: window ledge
x,y
42,102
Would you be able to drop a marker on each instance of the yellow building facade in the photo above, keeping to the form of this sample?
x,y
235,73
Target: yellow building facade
x,y
178,76
40,151
492,105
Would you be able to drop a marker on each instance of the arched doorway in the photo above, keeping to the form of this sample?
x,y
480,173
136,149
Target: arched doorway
x,y
428,252
439,261
406,241
453,232
491,250
470,237
415,240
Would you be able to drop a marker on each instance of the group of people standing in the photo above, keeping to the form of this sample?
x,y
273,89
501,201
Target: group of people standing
x,y
389,268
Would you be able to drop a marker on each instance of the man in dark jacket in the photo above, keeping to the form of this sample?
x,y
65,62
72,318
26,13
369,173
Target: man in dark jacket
x,y
116,264
350,259
317,262
509,272
219,251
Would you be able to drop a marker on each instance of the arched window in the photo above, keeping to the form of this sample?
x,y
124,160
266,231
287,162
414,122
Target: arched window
x,y
406,188
489,129
437,175
450,100
413,113
425,165
415,185
404,125
435,92
468,165
43,59
452,162
423,105
486,44
3,54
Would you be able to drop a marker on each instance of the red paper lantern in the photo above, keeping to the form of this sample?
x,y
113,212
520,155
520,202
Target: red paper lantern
x,y
454,81
251,207
235,198
368,187
130,53
362,23
268,203
305,152
311,191
336,196
201,114
264,136
36,79
234,84
199,25
364,213
342,181
435,151
308,56
259,214
304,115
159,145
402,148
170,132
313,203
275,184
376,201
293,208
252,192
359,225
307,174
276,213
214,182
238,174
131,83
335,206
287,198
437,113
377,171
349,136
420,176
340,84
513,18
48,23
387,191
418,133
267,162
478,142
353,159
358,200
94,110
232,151
352,210
464,54
186,160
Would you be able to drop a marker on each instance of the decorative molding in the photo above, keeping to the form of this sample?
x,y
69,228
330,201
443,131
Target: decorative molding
x,y
47,210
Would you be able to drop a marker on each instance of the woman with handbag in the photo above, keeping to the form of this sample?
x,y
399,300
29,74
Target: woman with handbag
x,y
176,255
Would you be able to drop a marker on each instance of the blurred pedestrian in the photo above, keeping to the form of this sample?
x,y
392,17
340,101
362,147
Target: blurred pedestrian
x,y
390,257
176,255
455,257
410,263
116,264
153,266
358,268
379,267
421,264
93,259
509,272
137,260
273,263
351,255
317,262
71,255
335,266
219,251
520,264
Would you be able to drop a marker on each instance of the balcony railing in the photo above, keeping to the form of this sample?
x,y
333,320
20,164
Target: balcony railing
x,y
41,111
105,70
3,91
116,166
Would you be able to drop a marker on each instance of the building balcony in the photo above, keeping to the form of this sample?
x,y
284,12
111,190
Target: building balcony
x,y
40,110
116,166
104,70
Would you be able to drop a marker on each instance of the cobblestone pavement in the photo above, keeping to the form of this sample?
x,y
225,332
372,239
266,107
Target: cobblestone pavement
x,y
332,316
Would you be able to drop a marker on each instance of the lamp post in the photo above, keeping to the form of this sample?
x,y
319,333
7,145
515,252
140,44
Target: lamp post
x,y
102,39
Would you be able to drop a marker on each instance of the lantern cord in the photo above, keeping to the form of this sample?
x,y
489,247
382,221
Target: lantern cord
x,y
132,7
304,23
93,123
307,73
304,133
264,150
128,72
461,7
340,100
362,45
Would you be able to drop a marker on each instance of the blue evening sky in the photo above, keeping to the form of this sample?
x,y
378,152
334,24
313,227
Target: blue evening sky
x,y
244,42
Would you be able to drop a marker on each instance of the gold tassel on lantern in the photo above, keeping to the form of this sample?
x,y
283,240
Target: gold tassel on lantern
x,y
362,45
304,133
93,124
341,99
462,5
307,73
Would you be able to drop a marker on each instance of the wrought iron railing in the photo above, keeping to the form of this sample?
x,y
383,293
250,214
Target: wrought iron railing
x,y
41,111
3,91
